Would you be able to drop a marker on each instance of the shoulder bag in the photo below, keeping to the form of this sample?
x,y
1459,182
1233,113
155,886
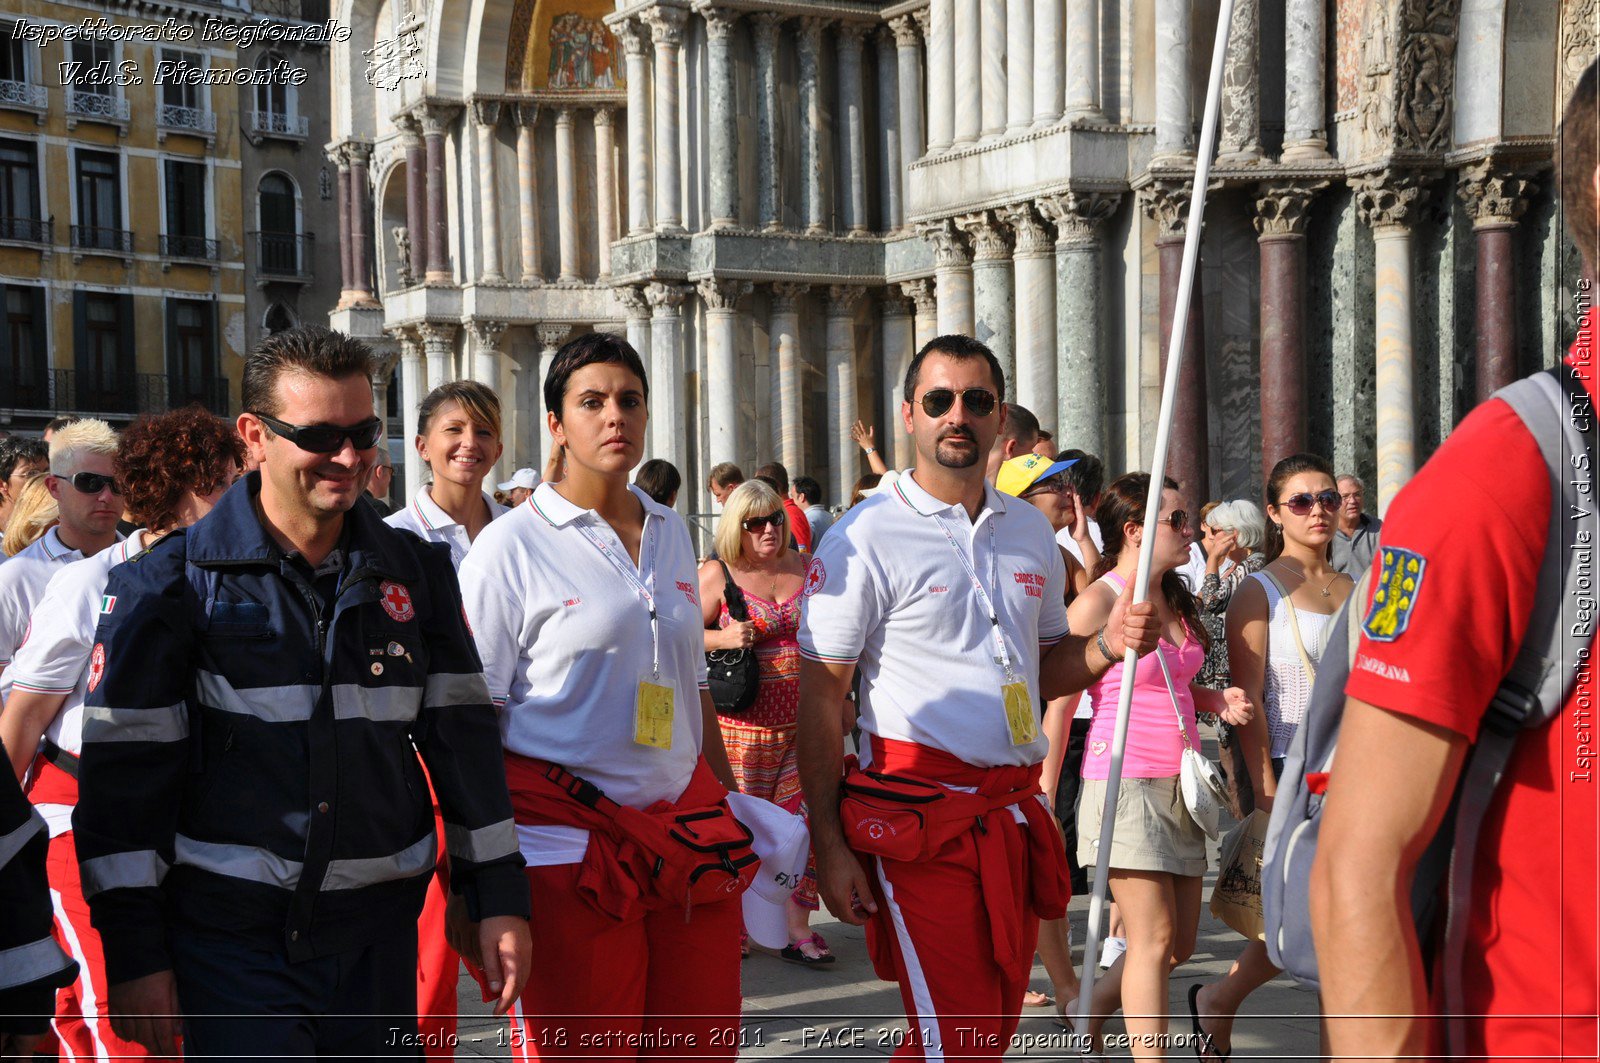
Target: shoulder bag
x,y
734,676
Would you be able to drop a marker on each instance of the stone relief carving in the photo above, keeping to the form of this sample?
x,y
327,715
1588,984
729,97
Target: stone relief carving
x,y
1578,44
402,253
1425,74
1377,78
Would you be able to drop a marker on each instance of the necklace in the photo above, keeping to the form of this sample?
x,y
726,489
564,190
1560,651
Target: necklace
x,y
1327,592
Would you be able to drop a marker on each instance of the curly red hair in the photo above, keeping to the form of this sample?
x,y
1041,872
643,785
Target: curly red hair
x,y
161,457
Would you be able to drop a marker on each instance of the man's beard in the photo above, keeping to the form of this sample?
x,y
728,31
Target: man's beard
x,y
955,459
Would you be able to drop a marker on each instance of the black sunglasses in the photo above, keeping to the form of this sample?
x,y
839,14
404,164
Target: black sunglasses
x,y
1301,503
979,402
1054,485
751,524
326,438
92,483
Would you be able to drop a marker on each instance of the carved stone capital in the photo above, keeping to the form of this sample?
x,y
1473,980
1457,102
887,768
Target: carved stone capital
x,y
723,295
1167,204
438,337
666,299
563,116
408,125
486,112
486,335
1495,195
766,25
359,152
905,31
605,116
893,302
1077,216
552,334
1390,198
436,116
843,299
921,17
853,33
383,363
633,301
921,294
720,21
1032,238
990,241
811,27
1281,209
634,35
526,115
666,25
410,343
949,248
786,297
339,155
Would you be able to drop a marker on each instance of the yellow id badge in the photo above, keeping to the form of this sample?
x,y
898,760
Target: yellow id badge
x,y
652,721
1021,716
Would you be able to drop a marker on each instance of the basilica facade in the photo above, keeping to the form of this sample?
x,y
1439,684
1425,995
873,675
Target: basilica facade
x,y
779,202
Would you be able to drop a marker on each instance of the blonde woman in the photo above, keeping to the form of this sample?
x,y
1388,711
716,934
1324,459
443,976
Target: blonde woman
x,y
752,541
33,514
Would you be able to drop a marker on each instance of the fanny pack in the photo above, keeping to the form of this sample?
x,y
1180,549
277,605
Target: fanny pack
x,y
904,817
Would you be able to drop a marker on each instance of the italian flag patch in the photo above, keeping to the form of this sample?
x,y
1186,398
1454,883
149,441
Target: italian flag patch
x,y
108,602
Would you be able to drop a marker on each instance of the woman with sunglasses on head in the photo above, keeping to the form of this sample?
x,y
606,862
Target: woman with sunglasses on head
x,y
589,626
1158,851
458,438
1278,624
752,541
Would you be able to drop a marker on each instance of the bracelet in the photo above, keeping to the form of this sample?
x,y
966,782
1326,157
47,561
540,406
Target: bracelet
x,y
1101,645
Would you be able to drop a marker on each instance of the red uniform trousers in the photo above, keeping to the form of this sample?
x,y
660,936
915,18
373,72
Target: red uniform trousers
x,y
82,1024
438,965
957,931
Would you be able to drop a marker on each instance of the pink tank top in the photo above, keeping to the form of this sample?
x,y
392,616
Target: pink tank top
x,y
1154,747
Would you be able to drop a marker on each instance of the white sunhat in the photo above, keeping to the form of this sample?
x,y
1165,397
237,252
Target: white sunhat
x,y
783,842
521,478
886,481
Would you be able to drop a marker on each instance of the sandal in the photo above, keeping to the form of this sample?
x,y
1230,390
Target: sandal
x,y
1203,1042
794,952
1035,999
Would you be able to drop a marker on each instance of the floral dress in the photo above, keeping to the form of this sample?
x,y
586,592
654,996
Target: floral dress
x,y
1215,594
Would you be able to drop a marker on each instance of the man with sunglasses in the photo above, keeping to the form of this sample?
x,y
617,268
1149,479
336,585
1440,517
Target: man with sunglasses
x,y
83,483
950,600
254,830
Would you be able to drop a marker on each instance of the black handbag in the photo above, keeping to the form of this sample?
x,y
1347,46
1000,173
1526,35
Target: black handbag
x,y
733,675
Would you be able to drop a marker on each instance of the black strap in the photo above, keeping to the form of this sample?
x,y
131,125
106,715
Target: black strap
x,y
59,757
738,608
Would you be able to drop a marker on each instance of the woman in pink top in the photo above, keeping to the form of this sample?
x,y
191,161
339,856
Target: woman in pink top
x,y
1158,852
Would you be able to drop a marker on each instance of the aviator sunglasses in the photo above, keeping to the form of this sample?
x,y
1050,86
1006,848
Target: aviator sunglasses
x,y
1300,504
326,438
751,524
91,483
977,401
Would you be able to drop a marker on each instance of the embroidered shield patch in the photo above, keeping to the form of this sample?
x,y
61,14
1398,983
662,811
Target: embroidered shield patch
x,y
97,665
816,576
1399,582
396,601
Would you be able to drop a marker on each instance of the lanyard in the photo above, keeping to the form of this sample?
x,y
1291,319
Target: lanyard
x,y
977,587
629,573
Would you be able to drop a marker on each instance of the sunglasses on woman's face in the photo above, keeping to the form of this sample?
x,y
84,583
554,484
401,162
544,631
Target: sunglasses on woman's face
x,y
755,524
1177,520
326,438
1300,504
1054,485
979,402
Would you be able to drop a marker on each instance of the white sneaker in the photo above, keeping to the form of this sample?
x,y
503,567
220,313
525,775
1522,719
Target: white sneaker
x,y
1113,948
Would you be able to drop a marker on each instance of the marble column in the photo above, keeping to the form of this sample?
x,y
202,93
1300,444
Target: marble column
x,y
1390,201
1240,141
361,223
439,343
567,199
723,156
416,196
436,118
993,297
1080,368
666,30
1174,90
486,115
1047,76
1280,220
1188,452
788,367
899,346
1496,198
1035,283
811,176
486,337
637,309
852,126
722,368
992,66
843,404
635,42
769,198
527,116
890,157
908,69
1305,133
921,292
340,158
1083,59
383,366
551,334
968,49
952,273
411,392
668,411
1019,63
605,184
941,37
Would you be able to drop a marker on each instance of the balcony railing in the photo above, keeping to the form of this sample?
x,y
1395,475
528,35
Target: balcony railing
x,y
25,230
197,247
282,126
304,10
117,393
110,241
97,106
21,96
171,118
283,256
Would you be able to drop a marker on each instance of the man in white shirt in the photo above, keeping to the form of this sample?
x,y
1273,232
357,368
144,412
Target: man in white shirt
x,y
807,494
520,486
950,600
84,485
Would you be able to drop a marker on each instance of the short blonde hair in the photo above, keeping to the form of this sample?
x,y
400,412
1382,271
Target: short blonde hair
x,y
88,436
750,499
34,514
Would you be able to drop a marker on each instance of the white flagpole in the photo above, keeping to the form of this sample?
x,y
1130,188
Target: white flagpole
x,y
1158,464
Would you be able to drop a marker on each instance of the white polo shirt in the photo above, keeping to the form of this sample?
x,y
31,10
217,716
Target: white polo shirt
x,y
565,640
434,525
55,658
888,591
22,584
1064,537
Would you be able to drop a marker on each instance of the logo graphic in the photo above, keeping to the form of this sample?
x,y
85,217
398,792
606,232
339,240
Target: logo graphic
x,y
108,602
97,665
816,576
688,592
1399,582
389,62
396,650
1097,748
397,601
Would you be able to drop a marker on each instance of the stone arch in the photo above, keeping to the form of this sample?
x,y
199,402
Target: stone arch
x,y
354,104
1498,39
391,207
278,318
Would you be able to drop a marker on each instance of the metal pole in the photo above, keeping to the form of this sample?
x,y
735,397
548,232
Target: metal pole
x,y
1152,506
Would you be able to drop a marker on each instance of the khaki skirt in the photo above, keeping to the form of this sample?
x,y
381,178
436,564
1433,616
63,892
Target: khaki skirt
x,y
1154,830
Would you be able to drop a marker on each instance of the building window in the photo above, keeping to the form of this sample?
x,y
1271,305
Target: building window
x,y
176,91
192,362
186,230
19,192
13,54
99,180
272,96
95,67
279,250
24,361
103,333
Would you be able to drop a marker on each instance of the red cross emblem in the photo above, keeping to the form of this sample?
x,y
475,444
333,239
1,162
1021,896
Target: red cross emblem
x,y
816,576
97,665
396,601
